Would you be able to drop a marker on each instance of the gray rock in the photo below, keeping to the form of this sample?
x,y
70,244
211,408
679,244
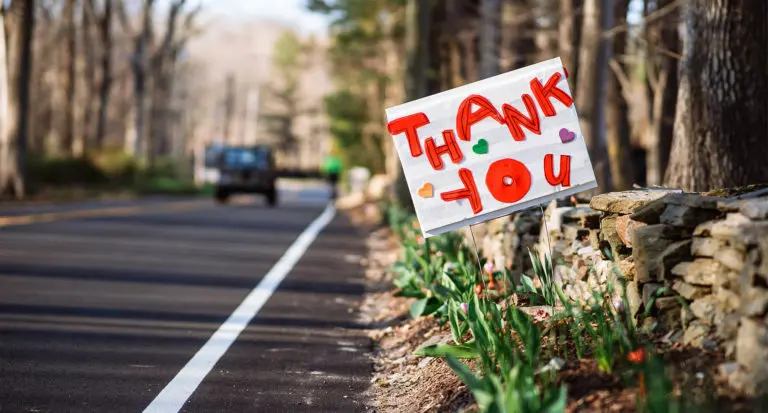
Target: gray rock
x,y
633,299
674,254
754,302
650,212
581,214
725,229
649,290
755,208
624,228
649,242
706,247
695,333
626,268
667,303
686,216
686,316
625,202
688,291
609,234
727,300
726,369
702,271
704,309
752,348
728,328
708,344
731,258
693,200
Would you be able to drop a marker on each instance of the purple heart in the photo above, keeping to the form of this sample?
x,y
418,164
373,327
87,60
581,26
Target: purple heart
x,y
566,135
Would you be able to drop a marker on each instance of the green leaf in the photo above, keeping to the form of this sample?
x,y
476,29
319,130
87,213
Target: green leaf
x,y
418,307
444,292
461,351
527,284
478,388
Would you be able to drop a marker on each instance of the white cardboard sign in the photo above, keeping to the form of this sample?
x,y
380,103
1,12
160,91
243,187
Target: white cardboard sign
x,y
490,148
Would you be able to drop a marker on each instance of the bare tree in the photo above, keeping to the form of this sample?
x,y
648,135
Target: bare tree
x,y
593,75
18,24
721,123
662,45
105,34
617,110
69,59
489,38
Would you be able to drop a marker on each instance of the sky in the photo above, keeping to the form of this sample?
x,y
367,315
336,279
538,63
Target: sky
x,y
293,12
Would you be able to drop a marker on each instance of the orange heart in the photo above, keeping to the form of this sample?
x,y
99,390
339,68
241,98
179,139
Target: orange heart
x,y
426,191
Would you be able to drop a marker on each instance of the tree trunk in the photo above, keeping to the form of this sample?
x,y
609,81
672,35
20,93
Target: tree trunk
x,y
140,79
569,37
617,110
105,32
490,15
722,112
18,29
662,92
69,54
593,77
517,38
85,137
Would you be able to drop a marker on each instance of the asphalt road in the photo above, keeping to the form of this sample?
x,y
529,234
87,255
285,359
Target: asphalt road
x,y
99,312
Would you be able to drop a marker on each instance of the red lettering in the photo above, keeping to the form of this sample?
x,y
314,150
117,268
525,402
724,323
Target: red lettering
x,y
566,72
409,124
544,93
514,118
469,191
564,177
465,117
508,180
450,147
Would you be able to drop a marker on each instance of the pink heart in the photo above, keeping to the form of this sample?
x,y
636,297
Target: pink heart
x,y
566,135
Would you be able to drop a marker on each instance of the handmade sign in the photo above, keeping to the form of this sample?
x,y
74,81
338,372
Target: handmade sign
x,y
492,147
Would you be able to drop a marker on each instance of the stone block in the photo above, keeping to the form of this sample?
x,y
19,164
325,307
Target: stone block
x,y
625,202
649,290
664,304
754,302
695,333
702,271
756,209
752,348
704,309
731,258
624,228
650,212
674,254
686,216
706,246
688,291
728,328
649,243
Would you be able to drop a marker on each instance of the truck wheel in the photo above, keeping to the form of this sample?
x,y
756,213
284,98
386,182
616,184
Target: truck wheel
x,y
272,197
221,196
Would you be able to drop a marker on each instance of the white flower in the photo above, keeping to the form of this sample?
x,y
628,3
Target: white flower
x,y
465,307
488,267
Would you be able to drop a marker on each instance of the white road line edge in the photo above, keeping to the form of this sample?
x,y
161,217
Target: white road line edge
x,y
178,390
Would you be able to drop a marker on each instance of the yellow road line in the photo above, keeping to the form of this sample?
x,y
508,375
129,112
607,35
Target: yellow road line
x,y
101,212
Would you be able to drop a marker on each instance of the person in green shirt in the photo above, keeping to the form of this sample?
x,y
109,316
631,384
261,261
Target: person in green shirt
x,y
332,169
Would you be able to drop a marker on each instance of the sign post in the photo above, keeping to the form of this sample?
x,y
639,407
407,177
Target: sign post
x,y
492,147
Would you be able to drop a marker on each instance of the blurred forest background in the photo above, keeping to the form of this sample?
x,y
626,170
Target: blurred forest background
x,y
129,93
669,92
113,95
